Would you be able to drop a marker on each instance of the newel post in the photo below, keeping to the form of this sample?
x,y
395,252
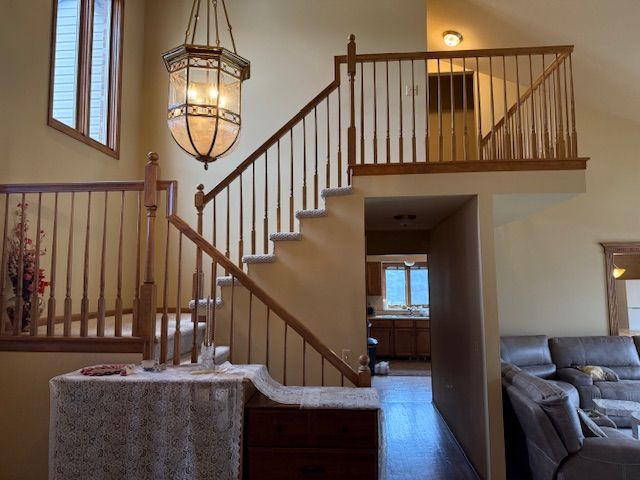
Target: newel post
x,y
364,372
147,322
351,131
198,275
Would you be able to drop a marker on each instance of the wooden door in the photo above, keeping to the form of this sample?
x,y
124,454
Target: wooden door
x,y
385,340
423,342
404,342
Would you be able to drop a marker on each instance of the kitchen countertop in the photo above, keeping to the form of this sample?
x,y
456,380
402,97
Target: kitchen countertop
x,y
398,317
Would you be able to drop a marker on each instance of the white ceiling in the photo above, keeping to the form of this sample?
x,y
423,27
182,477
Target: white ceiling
x,y
605,34
429,211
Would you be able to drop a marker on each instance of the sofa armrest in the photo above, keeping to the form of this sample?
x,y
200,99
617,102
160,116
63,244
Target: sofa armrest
x,y
575,377
611,458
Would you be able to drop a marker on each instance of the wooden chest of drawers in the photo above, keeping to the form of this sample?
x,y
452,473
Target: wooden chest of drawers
x,y
284,442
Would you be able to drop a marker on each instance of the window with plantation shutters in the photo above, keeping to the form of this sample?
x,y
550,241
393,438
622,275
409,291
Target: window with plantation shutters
x,y
85,71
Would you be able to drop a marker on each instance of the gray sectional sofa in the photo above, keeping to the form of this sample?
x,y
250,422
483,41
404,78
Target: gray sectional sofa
x,y
542,393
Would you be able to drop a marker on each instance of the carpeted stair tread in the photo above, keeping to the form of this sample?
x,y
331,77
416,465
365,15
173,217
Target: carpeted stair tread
x,y
316,213
226,281
269,258
285,237
336,192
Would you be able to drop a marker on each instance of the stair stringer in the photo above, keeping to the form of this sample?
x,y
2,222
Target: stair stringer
x,y
320,280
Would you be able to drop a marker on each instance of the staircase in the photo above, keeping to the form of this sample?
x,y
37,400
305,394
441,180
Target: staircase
x,y
382,114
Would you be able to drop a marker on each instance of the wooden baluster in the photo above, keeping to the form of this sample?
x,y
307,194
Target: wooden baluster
x,y
342,379
177,334
198,275
253,208
413,114
322,368
534,135
136,291
284,357
362,112
574,134
440,133
4,261
240,224
291,203
213,313
51,306
19,306
545,113
520,147
250,325
118,312
351,130
164,321
400,139
559,119
279,195
231,318
339,140
388,139
426,110
304,362
148,290
265,220
465,128
35,307
565,103
103,267
553,117
453,111
267,339
480,145
494,150
327,180
304,163
67,298
506,125
375,117
228,229
315,163
84,303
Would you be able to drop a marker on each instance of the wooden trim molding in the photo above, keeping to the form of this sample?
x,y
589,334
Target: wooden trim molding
x,y
24,343
610,249
469,166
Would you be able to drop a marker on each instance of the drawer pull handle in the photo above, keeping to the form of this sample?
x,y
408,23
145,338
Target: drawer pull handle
x,y
312,470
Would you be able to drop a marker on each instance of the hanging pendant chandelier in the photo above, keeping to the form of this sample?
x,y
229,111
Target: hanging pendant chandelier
x,y
205,83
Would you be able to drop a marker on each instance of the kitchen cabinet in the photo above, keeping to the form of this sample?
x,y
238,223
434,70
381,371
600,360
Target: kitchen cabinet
x,y
403,337
374,278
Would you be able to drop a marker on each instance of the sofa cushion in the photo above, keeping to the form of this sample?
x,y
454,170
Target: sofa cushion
x,y
622,390
509,370
604,351
555,403
529,352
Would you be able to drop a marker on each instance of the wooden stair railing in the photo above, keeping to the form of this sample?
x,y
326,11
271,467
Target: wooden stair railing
x,y
242,325
400,113
89,253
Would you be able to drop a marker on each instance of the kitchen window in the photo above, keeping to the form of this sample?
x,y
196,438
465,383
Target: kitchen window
x,y
86,65
406,285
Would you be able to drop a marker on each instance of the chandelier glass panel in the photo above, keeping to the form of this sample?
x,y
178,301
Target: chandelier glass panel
x,y
205,83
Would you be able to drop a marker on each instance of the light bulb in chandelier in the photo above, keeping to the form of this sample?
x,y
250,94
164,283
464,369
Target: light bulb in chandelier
x,y
205,83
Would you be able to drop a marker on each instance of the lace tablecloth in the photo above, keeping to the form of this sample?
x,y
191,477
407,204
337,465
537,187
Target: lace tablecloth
x,y
166,425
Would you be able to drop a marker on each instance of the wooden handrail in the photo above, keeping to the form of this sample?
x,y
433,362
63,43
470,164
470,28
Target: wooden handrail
x,y
115,186
523,98
297,118
453,54
263,296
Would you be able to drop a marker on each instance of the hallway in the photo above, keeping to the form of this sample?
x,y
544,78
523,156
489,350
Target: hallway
x,y
419,445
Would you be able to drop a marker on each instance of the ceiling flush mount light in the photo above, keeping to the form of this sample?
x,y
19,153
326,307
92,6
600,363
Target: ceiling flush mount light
x,y
205,83
405,220
451,38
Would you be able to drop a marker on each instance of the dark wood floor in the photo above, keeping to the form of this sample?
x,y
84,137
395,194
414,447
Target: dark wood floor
x,y
419,446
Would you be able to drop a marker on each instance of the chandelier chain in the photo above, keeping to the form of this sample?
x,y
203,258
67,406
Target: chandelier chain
x,y
194,18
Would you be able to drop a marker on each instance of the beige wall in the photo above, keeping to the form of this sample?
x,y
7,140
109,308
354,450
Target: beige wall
x,y
391,241
456,330
550,265
24,418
